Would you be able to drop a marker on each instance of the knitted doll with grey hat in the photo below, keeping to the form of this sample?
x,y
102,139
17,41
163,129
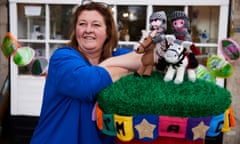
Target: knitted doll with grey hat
x,y
181,27
158,22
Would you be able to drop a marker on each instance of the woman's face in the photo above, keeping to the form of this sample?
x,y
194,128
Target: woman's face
x,y
91,32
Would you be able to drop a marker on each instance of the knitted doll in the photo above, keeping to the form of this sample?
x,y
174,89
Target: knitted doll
x,y
158,22
181,27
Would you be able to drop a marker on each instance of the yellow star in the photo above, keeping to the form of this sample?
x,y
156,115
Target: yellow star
x,y
200,131
145,129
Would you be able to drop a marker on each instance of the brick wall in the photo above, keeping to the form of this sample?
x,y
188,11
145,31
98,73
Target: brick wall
x,y
233,83
3,30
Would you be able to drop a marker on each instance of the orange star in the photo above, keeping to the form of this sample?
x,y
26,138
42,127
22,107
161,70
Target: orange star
x,y
200,131
145,129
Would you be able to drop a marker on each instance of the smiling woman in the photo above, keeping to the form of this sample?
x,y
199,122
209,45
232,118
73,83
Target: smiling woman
x,y
77,72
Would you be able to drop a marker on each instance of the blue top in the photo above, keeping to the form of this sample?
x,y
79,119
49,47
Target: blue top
x,y
69,97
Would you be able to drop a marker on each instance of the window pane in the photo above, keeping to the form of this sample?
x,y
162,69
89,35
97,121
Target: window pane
x,y
31,21
204,19
204,29
131,20
60,20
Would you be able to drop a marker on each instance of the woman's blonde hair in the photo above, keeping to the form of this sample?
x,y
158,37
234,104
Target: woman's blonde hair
x,y
112,36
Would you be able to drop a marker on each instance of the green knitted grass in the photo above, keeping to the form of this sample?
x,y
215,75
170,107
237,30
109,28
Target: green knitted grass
x,y
133,95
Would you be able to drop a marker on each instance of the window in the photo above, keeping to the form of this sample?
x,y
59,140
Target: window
x,y
43,28
204,29
131,20
60,19
31,22
47,27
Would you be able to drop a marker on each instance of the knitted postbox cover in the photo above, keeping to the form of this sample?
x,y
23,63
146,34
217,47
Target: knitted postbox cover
x,y
133,105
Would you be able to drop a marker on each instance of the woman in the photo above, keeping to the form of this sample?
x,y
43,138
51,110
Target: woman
x,y
76,74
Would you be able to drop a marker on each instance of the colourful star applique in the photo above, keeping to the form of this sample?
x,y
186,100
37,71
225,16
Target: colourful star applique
x,y
200,131
145,129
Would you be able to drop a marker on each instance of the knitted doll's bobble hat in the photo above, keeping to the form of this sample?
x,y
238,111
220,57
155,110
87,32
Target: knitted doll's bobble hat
x,y
158,15
161,15
178,15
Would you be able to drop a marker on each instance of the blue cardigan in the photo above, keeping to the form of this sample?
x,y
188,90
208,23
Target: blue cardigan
x,y
69,97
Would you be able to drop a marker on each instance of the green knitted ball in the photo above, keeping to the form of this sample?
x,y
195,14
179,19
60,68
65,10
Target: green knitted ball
x,y
132,95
